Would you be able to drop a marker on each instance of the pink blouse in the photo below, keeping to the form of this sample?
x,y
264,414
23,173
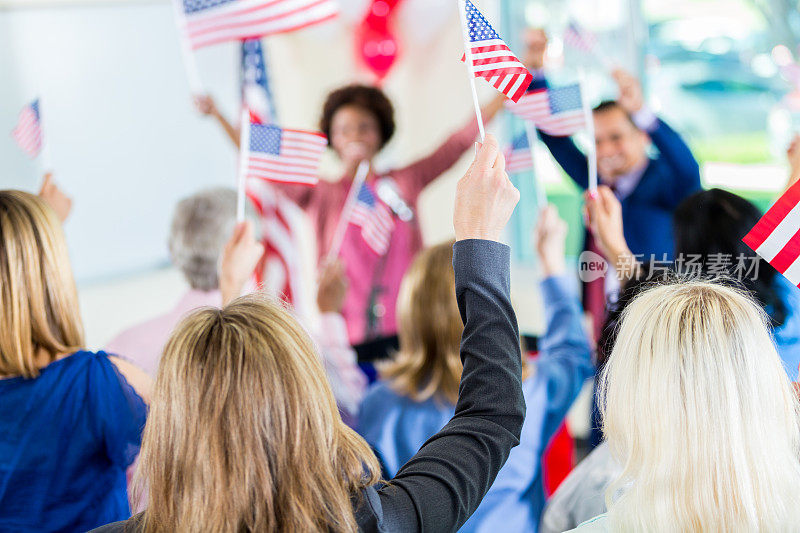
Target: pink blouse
x,y
374,281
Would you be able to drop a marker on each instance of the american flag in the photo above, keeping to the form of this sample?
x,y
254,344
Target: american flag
x,y
374,219
492,59
256,95
579,38
556,110
208,22
28,132
280,270
776,237
284,155
518,155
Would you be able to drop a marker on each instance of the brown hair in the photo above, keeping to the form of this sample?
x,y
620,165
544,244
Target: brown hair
x,y
370,99
244,433
429,328
611,105
39,314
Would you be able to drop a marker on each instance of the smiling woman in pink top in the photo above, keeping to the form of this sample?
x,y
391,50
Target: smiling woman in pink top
x,y
359,122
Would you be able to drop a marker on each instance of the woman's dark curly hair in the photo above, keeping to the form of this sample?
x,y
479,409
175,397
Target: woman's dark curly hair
x,y
370,99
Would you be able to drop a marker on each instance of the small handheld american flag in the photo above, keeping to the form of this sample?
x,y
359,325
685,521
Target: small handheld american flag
x,y
491,57
518,155
28,131
208,22
580,38
776,237
556,111
284,155
374,219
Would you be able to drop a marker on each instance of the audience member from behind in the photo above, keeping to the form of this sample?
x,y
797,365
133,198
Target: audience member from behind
x,y
697,407
70,420
201,225
243,416
420,387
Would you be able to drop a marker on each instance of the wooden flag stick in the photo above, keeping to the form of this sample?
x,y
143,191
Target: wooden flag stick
x,y
344,219
591,155
189,61
244,155
462,5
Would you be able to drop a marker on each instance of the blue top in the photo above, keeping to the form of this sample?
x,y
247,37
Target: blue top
x,y
66,439
667,180
396,426
787,337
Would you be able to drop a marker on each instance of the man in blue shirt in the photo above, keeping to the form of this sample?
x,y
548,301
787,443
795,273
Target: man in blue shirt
x,y
649,187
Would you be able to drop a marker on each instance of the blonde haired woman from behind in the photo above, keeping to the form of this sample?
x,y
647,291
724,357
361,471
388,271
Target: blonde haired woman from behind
x,y
698,408
244,433
70,420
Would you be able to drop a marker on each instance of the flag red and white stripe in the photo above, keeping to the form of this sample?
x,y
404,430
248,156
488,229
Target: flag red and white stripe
x,y
28,131
776,237
284,155
374,218
549,113
492,59
518,155
280,270
208,22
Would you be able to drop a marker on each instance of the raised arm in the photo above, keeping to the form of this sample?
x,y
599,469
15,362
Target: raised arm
x,y
207,106
564,151
565,355
604,216
442,485
348,382
685,175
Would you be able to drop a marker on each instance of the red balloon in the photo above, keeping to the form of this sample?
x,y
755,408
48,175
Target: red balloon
x,y
377,46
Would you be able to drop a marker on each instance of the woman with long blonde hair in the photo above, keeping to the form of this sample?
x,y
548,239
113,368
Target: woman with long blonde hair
x,y
244,434
698,409
70,420
419,387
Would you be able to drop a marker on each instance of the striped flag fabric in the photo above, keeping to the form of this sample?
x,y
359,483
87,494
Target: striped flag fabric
x,y
491,57
284,155
776,237
374,219
208,22
579,38
518,155
280,270
556,111
28,131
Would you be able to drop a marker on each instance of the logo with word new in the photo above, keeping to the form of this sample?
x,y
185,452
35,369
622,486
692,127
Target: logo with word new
x,y
591,266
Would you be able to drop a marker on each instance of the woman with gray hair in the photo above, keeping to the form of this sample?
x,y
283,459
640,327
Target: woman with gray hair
x,y
201,225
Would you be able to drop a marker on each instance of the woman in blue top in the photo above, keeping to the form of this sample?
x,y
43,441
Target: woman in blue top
x,y
70,420
417,395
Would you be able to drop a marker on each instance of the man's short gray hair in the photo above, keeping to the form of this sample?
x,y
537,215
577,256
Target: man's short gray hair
x,y
201,225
